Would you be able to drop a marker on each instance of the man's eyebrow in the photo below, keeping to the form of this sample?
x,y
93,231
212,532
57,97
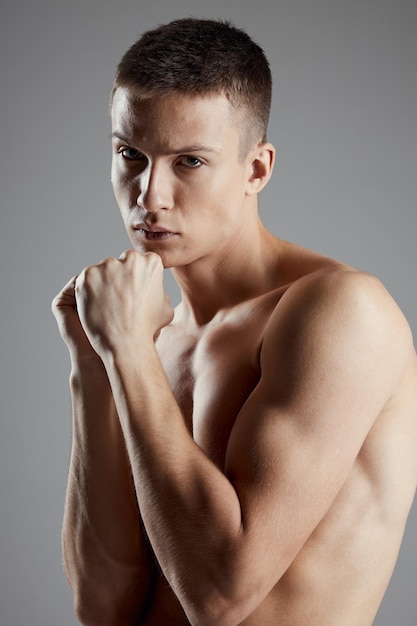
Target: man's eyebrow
x,y
183,150
117,135
195,148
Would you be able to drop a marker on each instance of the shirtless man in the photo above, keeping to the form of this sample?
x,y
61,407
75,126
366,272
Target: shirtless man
x,y
249,458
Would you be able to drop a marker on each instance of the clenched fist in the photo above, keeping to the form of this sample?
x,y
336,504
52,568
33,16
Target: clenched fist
x,y
115,304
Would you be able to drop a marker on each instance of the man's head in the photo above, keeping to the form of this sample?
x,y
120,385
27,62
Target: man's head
x,y
202,58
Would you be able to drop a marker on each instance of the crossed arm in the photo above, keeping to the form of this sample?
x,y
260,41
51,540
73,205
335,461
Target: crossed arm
x,y
328,366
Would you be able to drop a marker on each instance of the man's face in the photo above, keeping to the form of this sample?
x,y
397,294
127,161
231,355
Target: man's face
x,y
178,176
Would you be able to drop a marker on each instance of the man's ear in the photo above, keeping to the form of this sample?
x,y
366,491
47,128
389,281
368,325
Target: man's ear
x,y
261,164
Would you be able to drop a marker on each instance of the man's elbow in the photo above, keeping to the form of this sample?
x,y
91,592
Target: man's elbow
x,y
223,615
220,608
230,594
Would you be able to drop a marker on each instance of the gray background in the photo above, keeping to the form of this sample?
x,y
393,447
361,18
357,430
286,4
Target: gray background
x,y
344,123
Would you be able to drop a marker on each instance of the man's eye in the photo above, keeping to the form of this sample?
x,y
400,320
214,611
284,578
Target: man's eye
x,y
190,161
131,154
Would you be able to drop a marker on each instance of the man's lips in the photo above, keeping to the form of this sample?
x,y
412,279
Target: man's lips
x,y
153,233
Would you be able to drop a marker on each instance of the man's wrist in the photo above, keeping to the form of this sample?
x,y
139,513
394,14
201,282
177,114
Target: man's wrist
x,y
128,352
86,367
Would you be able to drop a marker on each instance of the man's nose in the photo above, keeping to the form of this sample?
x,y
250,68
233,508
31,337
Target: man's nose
x,y
154,189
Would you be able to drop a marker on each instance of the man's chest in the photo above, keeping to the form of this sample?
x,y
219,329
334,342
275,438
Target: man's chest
x,y
211,377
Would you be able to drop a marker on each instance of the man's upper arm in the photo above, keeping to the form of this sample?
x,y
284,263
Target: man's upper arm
x,y
332,356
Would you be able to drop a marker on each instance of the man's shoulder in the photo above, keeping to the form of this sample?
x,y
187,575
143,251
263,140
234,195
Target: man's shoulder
x,y
311,277
337,308
335,285
338,290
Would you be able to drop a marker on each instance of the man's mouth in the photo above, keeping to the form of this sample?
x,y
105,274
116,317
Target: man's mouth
x,y
154,233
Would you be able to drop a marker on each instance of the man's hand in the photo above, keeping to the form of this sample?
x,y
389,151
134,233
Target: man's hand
x,y
121,302
64,307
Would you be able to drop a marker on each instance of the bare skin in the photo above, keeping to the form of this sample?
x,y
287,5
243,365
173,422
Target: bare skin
x,y
251,458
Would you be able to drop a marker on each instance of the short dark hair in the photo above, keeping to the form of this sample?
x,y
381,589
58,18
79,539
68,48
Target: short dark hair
x,y
201,57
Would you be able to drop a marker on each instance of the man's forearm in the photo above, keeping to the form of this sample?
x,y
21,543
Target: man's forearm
x,y
190,509
106,557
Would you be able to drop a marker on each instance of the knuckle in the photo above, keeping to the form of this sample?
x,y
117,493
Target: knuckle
x,y
131,254
129,257
103,263
89,271
153,259
81,277
54,304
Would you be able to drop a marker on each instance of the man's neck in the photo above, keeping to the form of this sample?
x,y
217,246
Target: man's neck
x,y
247,270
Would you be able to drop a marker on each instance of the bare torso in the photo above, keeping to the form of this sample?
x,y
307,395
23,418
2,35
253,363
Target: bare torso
x,y
341,573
